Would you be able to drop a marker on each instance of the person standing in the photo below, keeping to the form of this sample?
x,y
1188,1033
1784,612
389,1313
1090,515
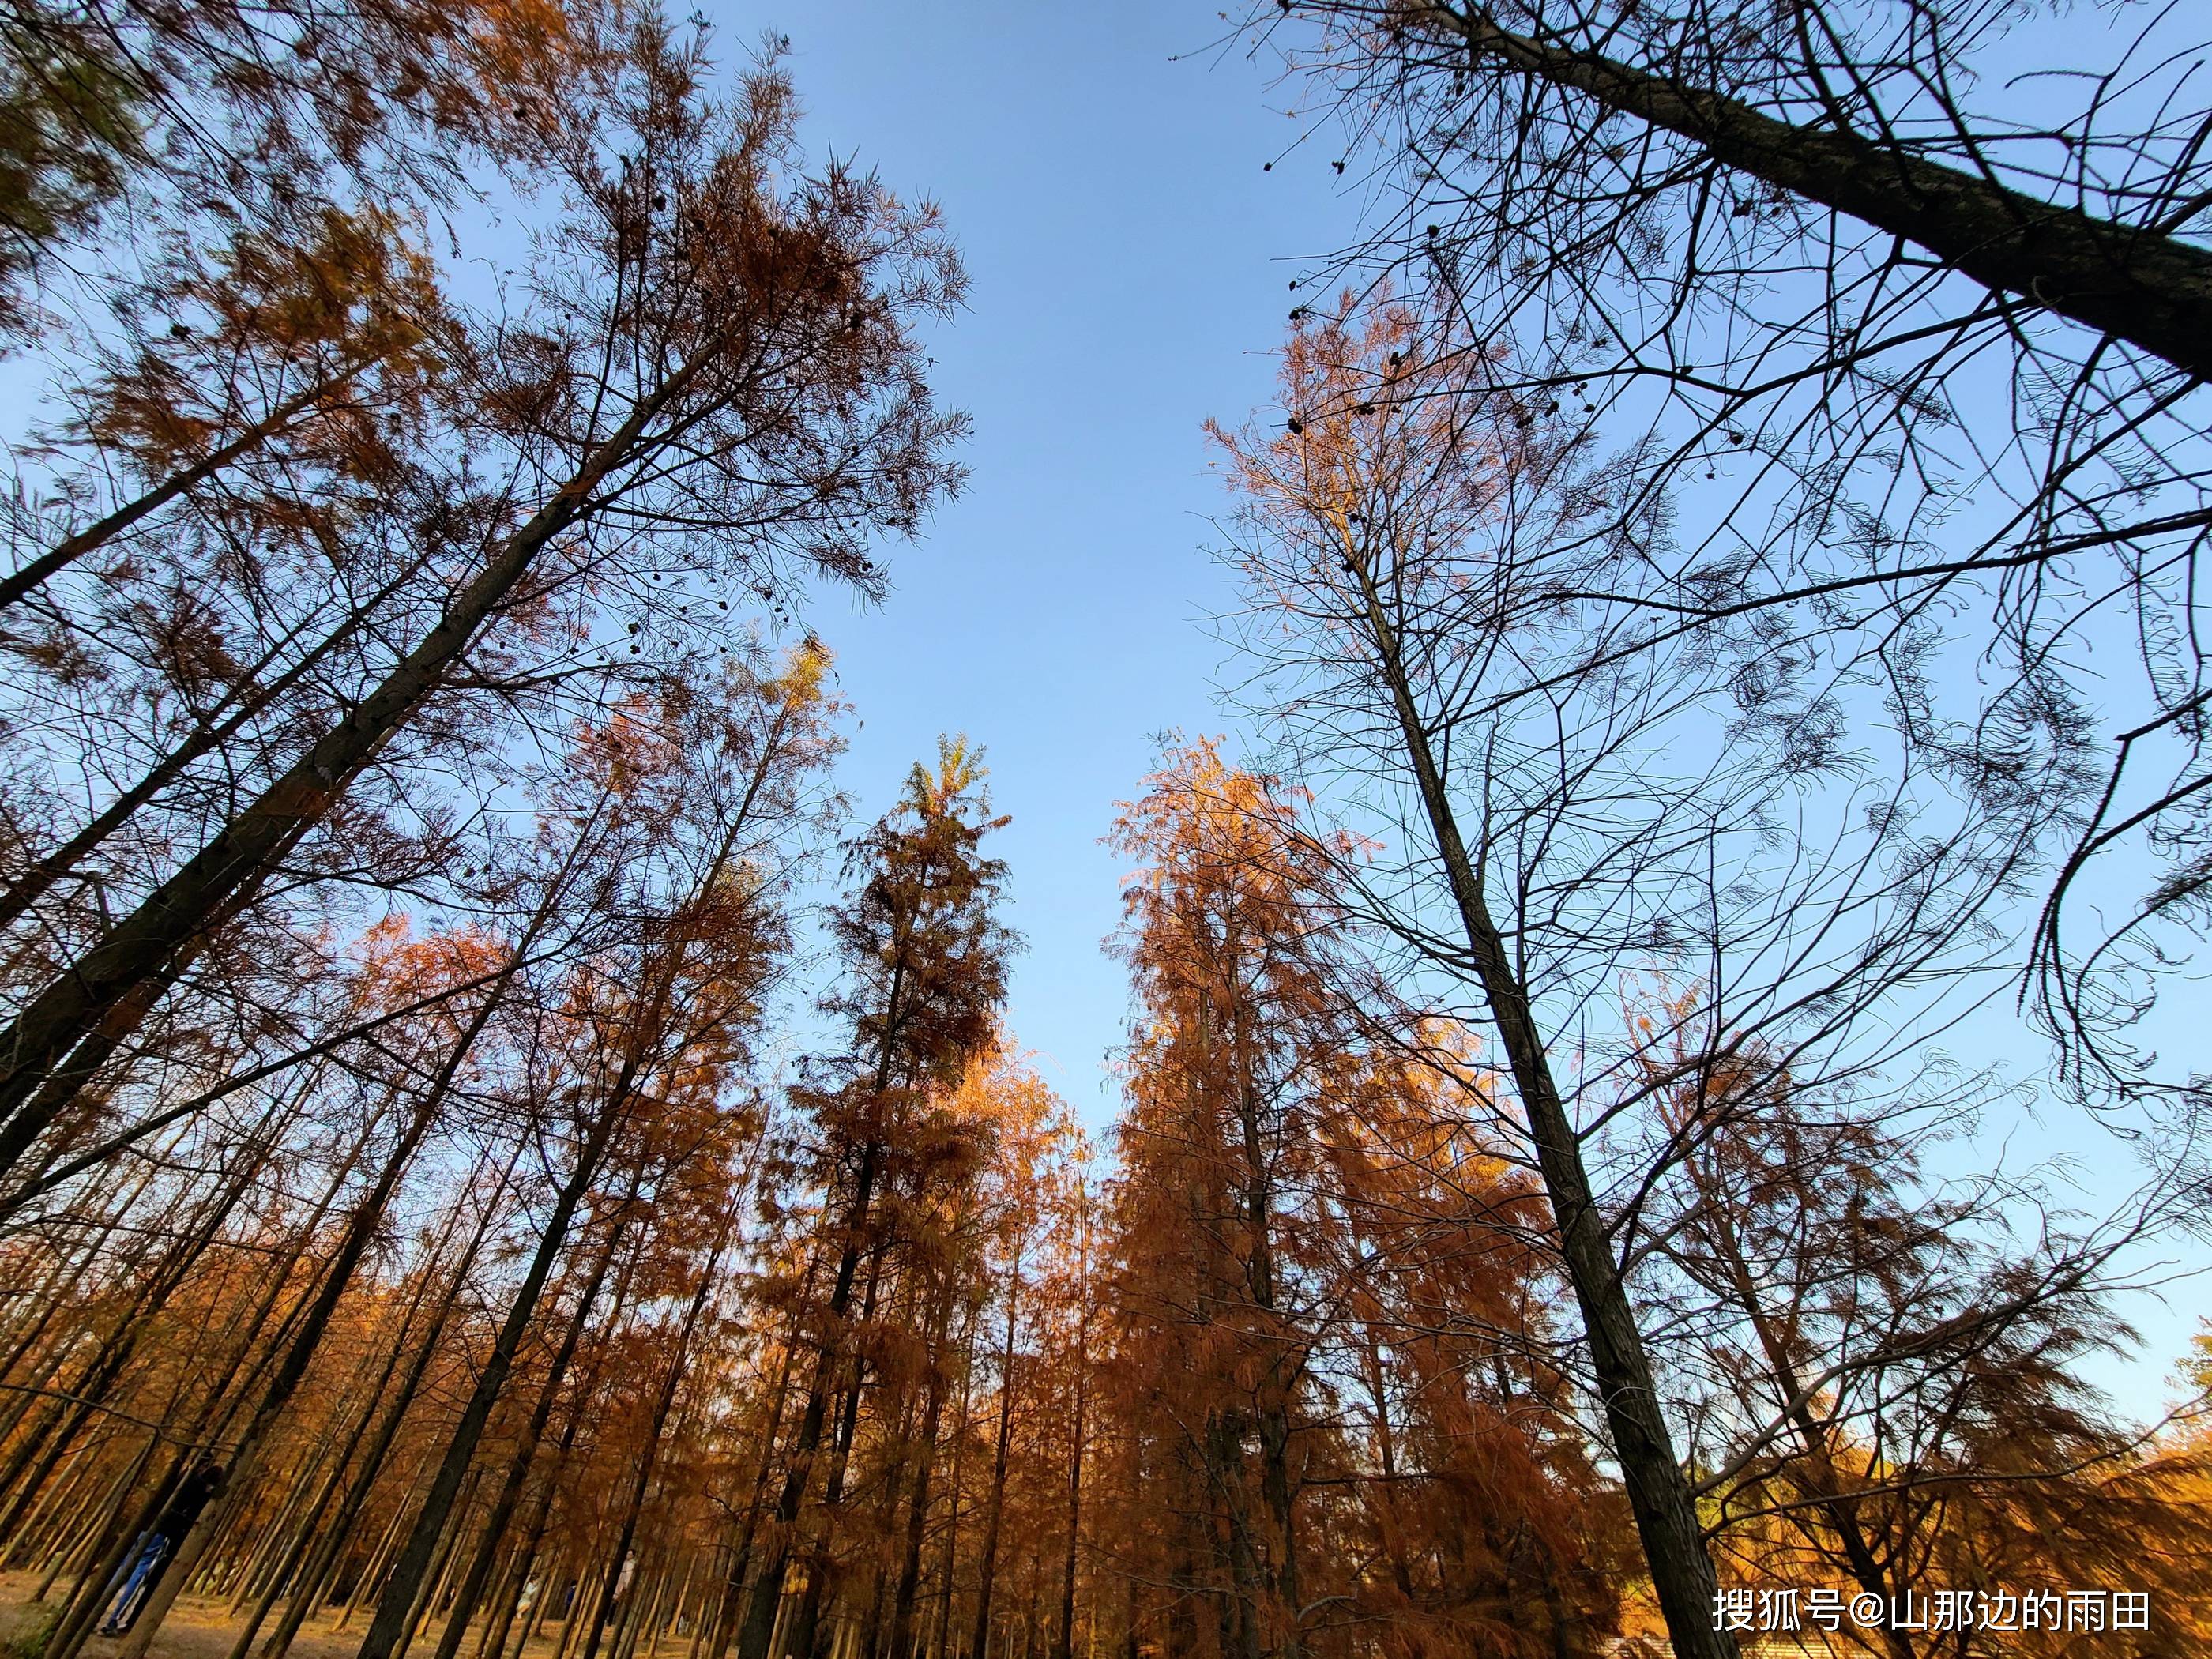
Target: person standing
x,y
158,1543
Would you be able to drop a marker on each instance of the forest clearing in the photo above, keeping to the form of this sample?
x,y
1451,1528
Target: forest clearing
x,y
727,934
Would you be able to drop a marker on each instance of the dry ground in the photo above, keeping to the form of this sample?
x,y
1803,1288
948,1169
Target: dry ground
x,y
197,1628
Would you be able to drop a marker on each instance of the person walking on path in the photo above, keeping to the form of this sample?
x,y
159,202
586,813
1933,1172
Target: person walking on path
x,y
157,1544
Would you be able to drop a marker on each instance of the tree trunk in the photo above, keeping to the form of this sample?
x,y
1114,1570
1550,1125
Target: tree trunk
x,y
1658,1493
34,884
299,1548
941,1645
987,1569
766,1597
2126,281
396,1604
917,1521
1063,1643
518,1467
1817,1474
178,912
806,1623
642,1481
336,1280
325,1563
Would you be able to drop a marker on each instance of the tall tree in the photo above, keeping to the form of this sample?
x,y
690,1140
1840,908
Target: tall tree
x,y
923,955
734,358
1413,549
1908,343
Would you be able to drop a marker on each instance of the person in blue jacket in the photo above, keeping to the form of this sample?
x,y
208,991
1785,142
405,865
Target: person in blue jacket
x,y
157,1544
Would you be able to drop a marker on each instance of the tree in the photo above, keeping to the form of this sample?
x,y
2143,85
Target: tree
x,y
763,340
1414,554
662,1021
1908,347
1220,1144
123,104
924,954
1897,1398
1331,1365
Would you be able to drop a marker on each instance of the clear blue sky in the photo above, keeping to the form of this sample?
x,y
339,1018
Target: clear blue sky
x,y
1131,261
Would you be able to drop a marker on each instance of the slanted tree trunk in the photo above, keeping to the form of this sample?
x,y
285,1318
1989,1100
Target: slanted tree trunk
x,y
337,1278
136,952
525,1451
324,1565
2130,282
301,1553
641,1482
253,698
395,1607
1658,1491
1815,1472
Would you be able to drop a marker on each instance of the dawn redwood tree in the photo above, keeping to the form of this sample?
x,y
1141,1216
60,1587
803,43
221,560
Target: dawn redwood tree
x,y
722,379
1494,1529
1220,1150
923,955
312,344
1897,313
720,789
132,107
1420,582
1340,1414
1890,1354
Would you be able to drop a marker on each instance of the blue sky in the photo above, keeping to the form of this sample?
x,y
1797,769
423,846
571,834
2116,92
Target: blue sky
x,y
1131,261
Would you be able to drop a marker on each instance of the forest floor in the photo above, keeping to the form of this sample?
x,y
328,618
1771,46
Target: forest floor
x,y
197,1627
